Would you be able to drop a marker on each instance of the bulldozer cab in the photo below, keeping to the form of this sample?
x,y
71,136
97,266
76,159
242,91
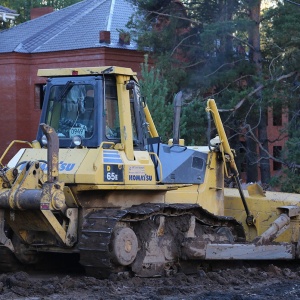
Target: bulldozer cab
x,y
85,110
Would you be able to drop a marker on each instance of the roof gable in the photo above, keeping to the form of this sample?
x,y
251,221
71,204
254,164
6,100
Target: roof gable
x,y
74,27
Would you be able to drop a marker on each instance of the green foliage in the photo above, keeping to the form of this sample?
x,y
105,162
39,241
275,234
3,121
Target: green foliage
x,y
160,28
293,149
154,89
281,49
288,182
283,37
194,123
151,5
289,179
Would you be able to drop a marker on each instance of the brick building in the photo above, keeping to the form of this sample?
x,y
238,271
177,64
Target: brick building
x,y
277,120
84,34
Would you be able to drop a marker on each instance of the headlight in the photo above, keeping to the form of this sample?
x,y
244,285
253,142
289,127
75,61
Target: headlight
x,y
44,140
77,140
215,142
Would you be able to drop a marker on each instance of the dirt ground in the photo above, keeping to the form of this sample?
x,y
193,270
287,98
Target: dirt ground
x,y
245,283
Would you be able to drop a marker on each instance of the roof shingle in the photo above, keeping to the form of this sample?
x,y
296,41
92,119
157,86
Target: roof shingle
x,y
74,27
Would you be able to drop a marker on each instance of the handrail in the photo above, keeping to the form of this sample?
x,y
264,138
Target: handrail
x,y
10,145
228,156
212,108
150,124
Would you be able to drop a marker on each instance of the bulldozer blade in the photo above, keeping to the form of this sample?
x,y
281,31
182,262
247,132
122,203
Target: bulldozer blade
x,y
250,251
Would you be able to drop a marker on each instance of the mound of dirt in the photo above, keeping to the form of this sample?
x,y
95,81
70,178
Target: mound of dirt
x,y
270,282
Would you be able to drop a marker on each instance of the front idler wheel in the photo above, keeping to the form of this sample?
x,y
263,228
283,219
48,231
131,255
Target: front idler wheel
x,y
124,246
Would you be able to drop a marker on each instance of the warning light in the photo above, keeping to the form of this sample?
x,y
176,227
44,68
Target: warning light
x,y
74,73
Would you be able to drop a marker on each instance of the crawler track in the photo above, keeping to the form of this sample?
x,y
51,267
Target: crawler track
x,y
98,227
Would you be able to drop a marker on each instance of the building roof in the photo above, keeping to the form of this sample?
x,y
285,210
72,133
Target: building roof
x,y
7,14
7,10
74,27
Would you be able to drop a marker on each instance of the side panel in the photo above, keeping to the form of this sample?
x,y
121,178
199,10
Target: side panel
x,y
69,161
208,194
181,165
111,167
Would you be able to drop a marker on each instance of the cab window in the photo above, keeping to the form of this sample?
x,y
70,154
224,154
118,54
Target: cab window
x,y
71,110
112,121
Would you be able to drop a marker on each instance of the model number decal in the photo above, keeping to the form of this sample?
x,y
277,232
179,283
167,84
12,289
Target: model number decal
x,y
140,177
113,173
138,173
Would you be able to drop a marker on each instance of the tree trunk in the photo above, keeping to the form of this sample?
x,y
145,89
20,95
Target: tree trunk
x,y
263,139
256,59
251,157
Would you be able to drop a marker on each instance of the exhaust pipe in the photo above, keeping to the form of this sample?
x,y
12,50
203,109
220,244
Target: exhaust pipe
x,y
177,112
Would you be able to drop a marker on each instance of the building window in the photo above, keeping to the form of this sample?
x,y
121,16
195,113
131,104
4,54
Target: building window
x,y
277,114
277,153
38,96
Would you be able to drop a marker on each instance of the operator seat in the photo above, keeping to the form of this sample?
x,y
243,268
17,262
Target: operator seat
x,y
87,118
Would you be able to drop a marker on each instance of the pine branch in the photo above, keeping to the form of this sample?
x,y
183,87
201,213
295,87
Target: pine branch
x,y
172,16
260,87
175,48
289,165
232,64
242,41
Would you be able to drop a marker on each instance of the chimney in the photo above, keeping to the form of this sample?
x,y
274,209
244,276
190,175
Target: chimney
x,y
124,38
104,36
37,12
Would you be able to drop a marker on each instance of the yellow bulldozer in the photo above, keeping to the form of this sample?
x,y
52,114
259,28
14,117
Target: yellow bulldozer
x,y
98,181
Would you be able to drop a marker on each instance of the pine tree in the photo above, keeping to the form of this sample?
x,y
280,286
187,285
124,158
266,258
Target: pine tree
x,y
283,57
